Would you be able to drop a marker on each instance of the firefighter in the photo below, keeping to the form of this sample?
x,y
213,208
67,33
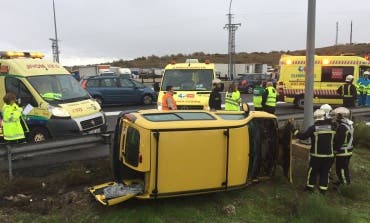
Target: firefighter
x,y
348,92
168,102
232,98
321,153
12,117
343,145
269,98
214,101
258,92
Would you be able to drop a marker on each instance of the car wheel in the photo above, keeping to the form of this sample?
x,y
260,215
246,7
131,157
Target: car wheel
x,y
250,90
99,100
38,135
147,100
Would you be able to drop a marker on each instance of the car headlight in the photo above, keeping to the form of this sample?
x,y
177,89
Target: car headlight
x,y
59,112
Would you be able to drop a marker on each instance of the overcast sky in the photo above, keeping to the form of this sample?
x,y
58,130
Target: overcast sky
x,y
101,30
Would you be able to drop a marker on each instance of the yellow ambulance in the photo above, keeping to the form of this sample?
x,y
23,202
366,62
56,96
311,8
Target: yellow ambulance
x,y
191,81
329,73
54,103
158,154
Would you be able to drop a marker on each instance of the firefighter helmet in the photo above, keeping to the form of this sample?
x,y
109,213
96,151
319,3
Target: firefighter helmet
x,y
349,78
327,109
319,114
344,112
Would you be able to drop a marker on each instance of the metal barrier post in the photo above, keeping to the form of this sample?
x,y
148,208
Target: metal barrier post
x,y
10,168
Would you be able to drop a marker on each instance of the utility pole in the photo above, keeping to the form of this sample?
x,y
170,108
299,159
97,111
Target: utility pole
x,y
54,41
350,36
231,27
310,63
336,35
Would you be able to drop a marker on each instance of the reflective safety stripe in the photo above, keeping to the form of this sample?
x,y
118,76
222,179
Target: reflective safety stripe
x,y
321,130
343,176
348,95
323,188
13,137
308,178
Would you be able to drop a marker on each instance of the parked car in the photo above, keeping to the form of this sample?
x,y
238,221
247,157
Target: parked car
x,y
247,82
118,90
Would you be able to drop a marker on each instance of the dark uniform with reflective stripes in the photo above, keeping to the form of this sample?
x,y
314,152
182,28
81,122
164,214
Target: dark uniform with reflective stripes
x,y
348,93
321,153
343,150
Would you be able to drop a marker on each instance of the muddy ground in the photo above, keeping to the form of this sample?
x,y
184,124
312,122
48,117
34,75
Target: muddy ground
x,y
47,189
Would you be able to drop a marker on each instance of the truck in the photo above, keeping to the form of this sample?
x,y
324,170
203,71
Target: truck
x,y
191,81
93,70
329,74
119,71
55,105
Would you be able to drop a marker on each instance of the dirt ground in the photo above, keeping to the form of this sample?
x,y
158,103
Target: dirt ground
x,y
44,190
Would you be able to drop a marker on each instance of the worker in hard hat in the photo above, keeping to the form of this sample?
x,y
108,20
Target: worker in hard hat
x,y
327,109
343,145
348,92
321,153
214,101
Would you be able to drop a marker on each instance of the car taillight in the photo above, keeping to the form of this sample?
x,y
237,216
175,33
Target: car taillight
x,y
84,84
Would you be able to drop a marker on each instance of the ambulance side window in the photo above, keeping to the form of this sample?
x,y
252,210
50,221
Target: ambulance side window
x,y
335,73
20,90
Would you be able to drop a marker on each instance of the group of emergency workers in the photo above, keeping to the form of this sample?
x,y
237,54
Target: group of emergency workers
x,y
363,89
331,140
264,99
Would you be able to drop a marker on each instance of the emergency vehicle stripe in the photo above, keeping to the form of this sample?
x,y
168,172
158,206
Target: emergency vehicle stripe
x,y
317,92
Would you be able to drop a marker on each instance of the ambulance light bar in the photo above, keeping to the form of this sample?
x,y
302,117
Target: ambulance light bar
x,y
17,54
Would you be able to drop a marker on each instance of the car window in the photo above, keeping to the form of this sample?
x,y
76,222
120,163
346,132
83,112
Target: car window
x,y
93,83
108,82
126,82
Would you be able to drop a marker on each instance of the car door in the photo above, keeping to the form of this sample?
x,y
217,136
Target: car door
x,y
110,91
129,90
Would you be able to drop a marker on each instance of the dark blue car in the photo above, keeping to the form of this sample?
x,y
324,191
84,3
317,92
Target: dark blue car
x,y
118,90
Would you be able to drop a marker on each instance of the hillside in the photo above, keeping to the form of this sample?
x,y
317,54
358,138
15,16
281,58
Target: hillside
x,y
271,58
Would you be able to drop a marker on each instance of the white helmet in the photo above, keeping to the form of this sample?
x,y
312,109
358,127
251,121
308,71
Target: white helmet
x,y
349,78
319,114
326,108
345,112
216,81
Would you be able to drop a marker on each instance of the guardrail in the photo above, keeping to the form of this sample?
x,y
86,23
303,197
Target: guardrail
x,y
13,152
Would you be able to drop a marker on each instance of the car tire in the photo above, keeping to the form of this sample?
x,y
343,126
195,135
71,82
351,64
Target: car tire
x,y
38,134
250,90
99,100
147,100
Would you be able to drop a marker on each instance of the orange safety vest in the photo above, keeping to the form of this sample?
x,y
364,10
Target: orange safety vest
x,y
164,102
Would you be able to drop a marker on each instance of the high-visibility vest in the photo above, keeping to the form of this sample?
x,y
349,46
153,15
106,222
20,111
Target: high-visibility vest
x,y
52,96
12,128
257,96
165,104
271,97
232,101
348,94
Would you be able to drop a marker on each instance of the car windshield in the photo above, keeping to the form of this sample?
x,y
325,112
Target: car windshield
x,y
188,79
58,88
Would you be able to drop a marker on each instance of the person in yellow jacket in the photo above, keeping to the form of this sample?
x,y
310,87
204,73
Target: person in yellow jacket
x,y
12,115
269,98
232,98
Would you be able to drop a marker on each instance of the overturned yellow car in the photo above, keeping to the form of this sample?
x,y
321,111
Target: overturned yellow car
x,y
157,154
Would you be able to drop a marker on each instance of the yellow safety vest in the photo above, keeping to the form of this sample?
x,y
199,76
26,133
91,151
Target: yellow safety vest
x,y
271,97
232,101
12,128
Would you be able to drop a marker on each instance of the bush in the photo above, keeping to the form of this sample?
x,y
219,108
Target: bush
x,y
362,135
